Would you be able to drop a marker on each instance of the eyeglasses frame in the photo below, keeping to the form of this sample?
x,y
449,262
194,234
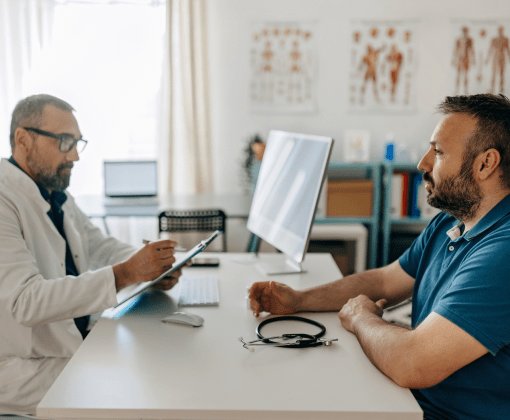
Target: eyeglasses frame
x,y
59,138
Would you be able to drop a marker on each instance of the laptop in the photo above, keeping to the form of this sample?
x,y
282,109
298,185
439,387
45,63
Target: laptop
x,y
131,183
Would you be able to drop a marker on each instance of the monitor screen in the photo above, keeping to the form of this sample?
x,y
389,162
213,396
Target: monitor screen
x,y
130,178
288,186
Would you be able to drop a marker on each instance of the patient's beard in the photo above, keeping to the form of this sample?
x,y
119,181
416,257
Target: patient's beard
x,y
459,196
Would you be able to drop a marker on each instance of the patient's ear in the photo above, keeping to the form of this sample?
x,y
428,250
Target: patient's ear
x,y
486,163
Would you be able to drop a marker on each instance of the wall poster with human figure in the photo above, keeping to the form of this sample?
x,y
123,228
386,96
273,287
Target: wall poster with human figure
x,y
283,65
383,62
480,57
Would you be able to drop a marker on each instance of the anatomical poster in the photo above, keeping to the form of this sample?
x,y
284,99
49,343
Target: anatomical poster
x,y
283,65
383,65
480,57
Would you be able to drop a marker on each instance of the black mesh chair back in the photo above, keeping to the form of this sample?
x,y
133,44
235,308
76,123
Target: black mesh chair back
x,y
181,221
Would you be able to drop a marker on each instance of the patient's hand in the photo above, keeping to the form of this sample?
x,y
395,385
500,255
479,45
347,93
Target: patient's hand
x,y
273,297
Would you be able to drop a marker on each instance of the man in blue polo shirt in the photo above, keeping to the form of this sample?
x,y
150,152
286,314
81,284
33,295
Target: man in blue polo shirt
x,y
456,357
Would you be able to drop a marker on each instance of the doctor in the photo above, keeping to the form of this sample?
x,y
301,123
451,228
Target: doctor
x,y
55,266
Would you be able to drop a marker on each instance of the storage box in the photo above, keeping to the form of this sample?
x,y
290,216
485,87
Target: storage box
x,y
350,198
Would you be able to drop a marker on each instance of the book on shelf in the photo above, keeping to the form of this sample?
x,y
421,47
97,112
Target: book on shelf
x,y
415,181
405,195
397,183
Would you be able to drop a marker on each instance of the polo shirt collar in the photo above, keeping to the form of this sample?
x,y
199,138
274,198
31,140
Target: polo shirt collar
x,y
57,198
499,211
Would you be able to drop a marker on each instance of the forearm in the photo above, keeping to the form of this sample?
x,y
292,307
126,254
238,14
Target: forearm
x,y
388,347
35,300
390,282
121,275
333,296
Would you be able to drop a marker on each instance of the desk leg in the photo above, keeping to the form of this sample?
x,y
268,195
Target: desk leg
x,y
106,226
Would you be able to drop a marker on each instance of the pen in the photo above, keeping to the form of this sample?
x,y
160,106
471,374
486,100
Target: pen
x,y
178,248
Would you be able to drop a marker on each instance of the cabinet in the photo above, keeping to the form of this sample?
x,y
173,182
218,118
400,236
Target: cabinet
x,y
360,171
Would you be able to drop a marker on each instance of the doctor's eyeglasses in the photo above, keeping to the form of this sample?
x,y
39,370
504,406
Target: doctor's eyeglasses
x,y
67,141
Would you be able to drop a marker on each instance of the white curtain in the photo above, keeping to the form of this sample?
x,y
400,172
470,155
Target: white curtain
x,y
25,28
185,149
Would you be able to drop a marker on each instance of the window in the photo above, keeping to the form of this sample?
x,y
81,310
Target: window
x,y
106,60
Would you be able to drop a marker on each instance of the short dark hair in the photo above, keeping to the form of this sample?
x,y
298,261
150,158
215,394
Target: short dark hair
x,y
28,112
493,126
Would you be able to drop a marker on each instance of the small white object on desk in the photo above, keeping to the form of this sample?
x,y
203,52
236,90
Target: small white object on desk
x,y
184,318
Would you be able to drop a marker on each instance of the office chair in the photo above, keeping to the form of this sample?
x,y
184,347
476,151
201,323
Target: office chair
x,y
182,221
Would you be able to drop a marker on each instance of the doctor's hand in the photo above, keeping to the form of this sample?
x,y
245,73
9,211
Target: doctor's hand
x,y
273,297
148,263
166,283
358,307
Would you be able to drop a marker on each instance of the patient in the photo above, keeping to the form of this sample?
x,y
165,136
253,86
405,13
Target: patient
x,y
56,268
456,357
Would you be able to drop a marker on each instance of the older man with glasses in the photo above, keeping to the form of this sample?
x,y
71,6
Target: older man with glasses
x,y
56,267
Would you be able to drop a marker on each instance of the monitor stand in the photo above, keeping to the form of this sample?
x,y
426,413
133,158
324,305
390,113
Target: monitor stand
x,y
279,267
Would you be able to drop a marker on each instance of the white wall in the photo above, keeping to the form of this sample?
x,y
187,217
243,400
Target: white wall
x,y
229,28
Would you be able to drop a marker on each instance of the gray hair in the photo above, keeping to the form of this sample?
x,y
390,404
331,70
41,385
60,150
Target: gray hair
x,y
28,112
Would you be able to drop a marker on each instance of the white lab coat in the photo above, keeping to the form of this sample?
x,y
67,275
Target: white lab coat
x,y
38,301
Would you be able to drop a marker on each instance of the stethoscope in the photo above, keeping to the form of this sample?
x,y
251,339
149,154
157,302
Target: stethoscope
x,y
301,340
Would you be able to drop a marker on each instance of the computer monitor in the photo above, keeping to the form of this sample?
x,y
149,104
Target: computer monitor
x,y
285,200
131,178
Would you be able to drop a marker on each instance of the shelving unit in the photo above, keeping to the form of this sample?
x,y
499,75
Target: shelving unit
x,y
369,170
387,220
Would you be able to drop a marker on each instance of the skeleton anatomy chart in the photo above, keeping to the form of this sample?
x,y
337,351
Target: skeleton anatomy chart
x,y
383,66
283,67
480,60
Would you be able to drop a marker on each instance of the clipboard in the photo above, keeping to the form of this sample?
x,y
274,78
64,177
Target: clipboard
x,y
178,264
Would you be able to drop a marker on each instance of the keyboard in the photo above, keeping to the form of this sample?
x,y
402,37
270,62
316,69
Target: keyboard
x,y
200,290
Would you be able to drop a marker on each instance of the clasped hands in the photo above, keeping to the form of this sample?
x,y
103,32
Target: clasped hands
x,y
280,299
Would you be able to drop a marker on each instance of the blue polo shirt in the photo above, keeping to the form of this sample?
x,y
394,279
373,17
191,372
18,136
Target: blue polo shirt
x,y
467,281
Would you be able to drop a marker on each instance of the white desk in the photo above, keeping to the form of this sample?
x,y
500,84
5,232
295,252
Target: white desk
x,y
138,367
234,205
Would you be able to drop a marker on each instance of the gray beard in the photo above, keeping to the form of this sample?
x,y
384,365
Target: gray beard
x,y
54,181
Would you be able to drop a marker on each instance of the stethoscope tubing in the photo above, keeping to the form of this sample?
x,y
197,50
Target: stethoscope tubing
x,y
307,340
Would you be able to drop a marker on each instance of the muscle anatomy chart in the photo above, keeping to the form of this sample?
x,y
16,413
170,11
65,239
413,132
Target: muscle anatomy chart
x,y
480,57
383,66
283,66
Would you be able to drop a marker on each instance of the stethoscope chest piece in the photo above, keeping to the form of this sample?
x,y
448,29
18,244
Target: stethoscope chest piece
x,y
300,340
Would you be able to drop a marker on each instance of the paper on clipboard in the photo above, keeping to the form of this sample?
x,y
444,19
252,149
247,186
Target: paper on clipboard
x,y
178,264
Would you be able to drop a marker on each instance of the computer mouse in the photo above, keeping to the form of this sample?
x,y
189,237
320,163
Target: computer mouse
x,y
184,318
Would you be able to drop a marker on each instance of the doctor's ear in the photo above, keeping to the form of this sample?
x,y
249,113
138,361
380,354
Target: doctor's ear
x,y
486,163
22,139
